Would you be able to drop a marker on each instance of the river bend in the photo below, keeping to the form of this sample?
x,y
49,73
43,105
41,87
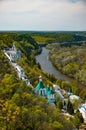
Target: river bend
x,y
47,66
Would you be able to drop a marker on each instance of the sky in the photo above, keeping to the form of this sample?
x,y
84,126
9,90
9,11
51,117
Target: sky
x,y
43,15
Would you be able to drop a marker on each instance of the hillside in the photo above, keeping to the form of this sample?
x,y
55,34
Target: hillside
x,y
20,108
44,38
71,61
25,44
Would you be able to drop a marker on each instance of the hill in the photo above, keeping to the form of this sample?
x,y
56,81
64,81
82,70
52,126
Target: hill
x,y
20,108
71,61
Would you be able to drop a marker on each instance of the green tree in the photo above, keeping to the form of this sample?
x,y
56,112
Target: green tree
x,y
57,125
59,104
83,94
78,119
70,107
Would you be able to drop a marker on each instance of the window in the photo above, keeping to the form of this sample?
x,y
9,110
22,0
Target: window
x,y
41,92
44,92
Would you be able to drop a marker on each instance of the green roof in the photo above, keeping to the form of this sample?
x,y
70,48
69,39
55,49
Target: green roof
x,y
40,85
47,89
50,92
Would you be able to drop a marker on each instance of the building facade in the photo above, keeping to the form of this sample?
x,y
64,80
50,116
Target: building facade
x,y
12,53
47,92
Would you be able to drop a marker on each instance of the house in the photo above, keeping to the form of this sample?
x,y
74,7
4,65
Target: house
x,y
12,53
82,110
21,73
56,87
58,91
47,92
73,98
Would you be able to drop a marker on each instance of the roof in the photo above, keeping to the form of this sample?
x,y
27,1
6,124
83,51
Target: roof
x,y
40,85
82,110
83,107
47,89
11,52
74,97
50,92
56,87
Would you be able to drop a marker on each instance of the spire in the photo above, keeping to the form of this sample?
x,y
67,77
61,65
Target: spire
x,y
14,47
40,84
40,78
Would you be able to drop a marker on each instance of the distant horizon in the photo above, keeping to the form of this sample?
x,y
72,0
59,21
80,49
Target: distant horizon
x,y
42,31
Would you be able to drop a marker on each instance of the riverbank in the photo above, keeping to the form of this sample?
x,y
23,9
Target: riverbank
x,y
70,61
48,67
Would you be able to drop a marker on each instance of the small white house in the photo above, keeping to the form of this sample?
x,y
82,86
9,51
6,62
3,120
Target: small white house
x,y
56,87
20,72
58,91
82,110
73,98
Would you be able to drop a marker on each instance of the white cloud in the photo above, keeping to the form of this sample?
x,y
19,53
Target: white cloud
x,y
43,14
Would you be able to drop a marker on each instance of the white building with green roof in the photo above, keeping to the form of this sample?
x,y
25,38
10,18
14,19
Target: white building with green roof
x,y
47,92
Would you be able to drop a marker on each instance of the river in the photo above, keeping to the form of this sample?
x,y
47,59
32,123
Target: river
x,y
47,66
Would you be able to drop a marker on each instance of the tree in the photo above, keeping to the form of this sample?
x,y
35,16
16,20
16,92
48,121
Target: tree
x,y
83,94
70,107
57,125
78,119
65,85
59,104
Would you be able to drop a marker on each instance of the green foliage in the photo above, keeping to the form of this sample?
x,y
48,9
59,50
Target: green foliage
x,y
26,111
70,108
78,119
57,125
65,85
42,39
76,103
83,94
66,39
70,61
59,104
19,108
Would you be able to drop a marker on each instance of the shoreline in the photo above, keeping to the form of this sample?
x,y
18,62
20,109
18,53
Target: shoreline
x,y
70,79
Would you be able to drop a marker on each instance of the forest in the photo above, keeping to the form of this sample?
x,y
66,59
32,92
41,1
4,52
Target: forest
x,y
59,37
71,61
20,108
